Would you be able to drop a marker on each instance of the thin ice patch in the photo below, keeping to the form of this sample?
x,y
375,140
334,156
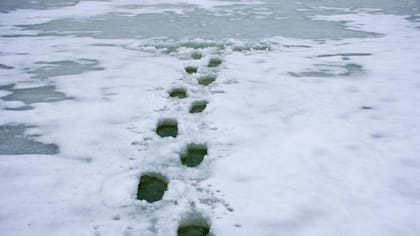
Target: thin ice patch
x,y
66,67
36,95
6,67
349,69
13,141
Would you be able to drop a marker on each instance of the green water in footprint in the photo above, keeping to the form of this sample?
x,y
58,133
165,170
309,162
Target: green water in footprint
x,y
193,230
193,155
151,188
196,55
206,80
167,128
178,93
191,69
214,62
198,106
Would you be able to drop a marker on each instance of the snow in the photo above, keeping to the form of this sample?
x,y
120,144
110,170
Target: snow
x,y
311,137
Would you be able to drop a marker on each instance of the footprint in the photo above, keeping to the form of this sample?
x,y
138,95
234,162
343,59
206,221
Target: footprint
x,y
178,93
191,69
198,106
196,55
214,62
193,155
206,80
151,187
167,128
193,230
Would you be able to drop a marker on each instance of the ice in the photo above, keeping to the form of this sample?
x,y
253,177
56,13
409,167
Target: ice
x,y
13,141
63,68
35,95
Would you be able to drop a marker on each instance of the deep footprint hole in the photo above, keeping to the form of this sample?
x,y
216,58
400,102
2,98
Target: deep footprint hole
x,y
193,155
191,69
206,80
167,128
193,230
195,225
214,62
178,93
198,106
151,187
196,55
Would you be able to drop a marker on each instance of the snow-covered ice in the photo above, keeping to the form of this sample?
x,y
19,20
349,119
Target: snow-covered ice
x,y
311,126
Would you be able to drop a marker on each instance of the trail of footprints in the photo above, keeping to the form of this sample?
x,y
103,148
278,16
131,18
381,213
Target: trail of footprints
x,y
152,186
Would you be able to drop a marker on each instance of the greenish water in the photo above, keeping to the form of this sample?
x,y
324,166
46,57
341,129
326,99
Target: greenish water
x,y
196,55
193,230
151,188
206,80
193,155
178,93
191,69
214,62
198,106
167,128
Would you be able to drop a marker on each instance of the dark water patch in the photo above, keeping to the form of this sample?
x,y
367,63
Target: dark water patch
x,y
35,95
191,69
167,128
321,73
22,108
328,71
6,67
65,67
151,187
206,80
104,44
214,62
345,55
14,141
196,55
10,5
296,46
256,47
202,45
193,155
172,47
7,87
413,18
178,93
198,106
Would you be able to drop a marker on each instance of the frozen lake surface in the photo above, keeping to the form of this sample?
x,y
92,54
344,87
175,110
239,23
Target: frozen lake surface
x,y
252,117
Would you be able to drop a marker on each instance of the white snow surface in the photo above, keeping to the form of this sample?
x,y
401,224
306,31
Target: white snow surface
x,y
311,137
